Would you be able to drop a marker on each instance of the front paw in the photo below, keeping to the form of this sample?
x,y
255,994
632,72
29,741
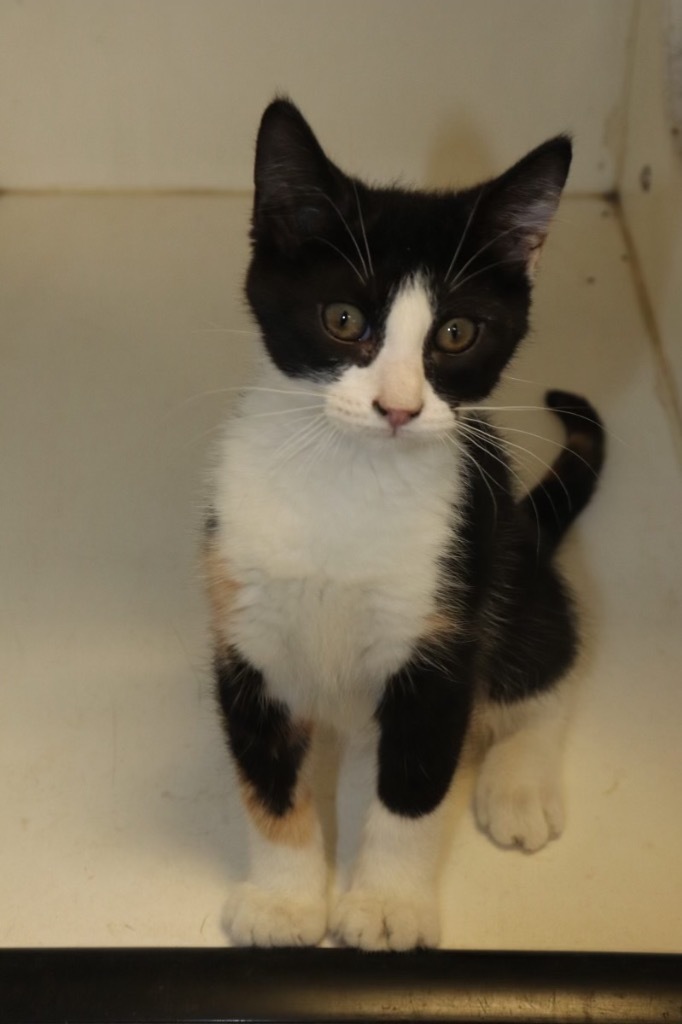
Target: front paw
x,y
370,919
518,805
258,917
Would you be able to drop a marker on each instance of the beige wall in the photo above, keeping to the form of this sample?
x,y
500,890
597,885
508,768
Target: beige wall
x,y
652,177
167,93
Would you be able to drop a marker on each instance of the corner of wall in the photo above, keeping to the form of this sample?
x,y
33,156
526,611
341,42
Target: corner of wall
x,y
651,176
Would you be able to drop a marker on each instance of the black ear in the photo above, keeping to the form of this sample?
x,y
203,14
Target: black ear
x,y
520,204
297,186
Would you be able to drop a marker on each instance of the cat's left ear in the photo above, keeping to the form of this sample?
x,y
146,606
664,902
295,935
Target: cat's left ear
x,y
520,204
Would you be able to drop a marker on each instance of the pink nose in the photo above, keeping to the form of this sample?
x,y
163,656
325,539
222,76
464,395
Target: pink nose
x,y
396,417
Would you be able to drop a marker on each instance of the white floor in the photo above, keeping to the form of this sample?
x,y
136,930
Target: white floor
x,y
120,324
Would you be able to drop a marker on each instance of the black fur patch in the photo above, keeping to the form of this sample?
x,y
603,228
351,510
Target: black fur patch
x,y
422,718
518,607
268,747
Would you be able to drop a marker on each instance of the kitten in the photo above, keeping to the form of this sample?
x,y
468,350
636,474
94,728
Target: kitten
x,y
368,564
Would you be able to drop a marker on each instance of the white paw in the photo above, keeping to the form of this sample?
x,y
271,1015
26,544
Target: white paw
x,y
257,917
518,802
368,919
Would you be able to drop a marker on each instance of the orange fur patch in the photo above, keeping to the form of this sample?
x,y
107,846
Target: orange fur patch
x,y
580,444
222,592
295,828
438,627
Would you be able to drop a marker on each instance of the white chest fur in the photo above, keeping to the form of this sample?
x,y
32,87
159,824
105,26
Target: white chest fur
x,y
334,546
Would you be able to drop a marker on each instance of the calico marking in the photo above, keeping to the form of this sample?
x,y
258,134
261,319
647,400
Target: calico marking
x,y
268,746
294,827
221,589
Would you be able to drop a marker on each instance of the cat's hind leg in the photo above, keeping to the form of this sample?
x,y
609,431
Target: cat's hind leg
x,y
284,903
519,793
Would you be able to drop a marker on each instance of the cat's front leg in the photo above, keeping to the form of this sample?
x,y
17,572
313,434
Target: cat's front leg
x,y
284,901
392,902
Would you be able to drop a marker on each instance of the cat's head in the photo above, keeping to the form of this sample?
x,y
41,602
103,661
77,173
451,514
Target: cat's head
x,y
404,304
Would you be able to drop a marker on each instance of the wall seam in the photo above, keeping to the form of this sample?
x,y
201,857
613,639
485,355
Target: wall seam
x,y
665,378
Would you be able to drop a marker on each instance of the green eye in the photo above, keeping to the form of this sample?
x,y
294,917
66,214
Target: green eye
x,y
457,335
345,322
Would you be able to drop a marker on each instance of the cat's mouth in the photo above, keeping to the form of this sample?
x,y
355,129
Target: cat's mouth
x,y
394,426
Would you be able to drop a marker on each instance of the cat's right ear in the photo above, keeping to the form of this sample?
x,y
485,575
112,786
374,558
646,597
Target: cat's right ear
x,y
297,186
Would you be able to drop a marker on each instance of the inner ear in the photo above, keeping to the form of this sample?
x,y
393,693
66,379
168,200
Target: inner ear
x,y
520,204
299,191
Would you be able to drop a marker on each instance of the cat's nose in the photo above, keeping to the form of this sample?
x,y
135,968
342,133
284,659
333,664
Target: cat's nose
x,y
396,417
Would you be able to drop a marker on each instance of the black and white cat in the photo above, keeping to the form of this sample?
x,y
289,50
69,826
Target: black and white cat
x,y
368,563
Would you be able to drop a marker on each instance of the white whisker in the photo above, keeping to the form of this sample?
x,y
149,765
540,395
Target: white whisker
x,y
462,237
293,442
461,450
325,241
468,429
527,451
237,389
347,227
502,234
550,440
460,281
324,440
362,228
523,380
283,412
540,408
279,391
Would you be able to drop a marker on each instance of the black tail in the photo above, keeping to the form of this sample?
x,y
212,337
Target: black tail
x,y
563,492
